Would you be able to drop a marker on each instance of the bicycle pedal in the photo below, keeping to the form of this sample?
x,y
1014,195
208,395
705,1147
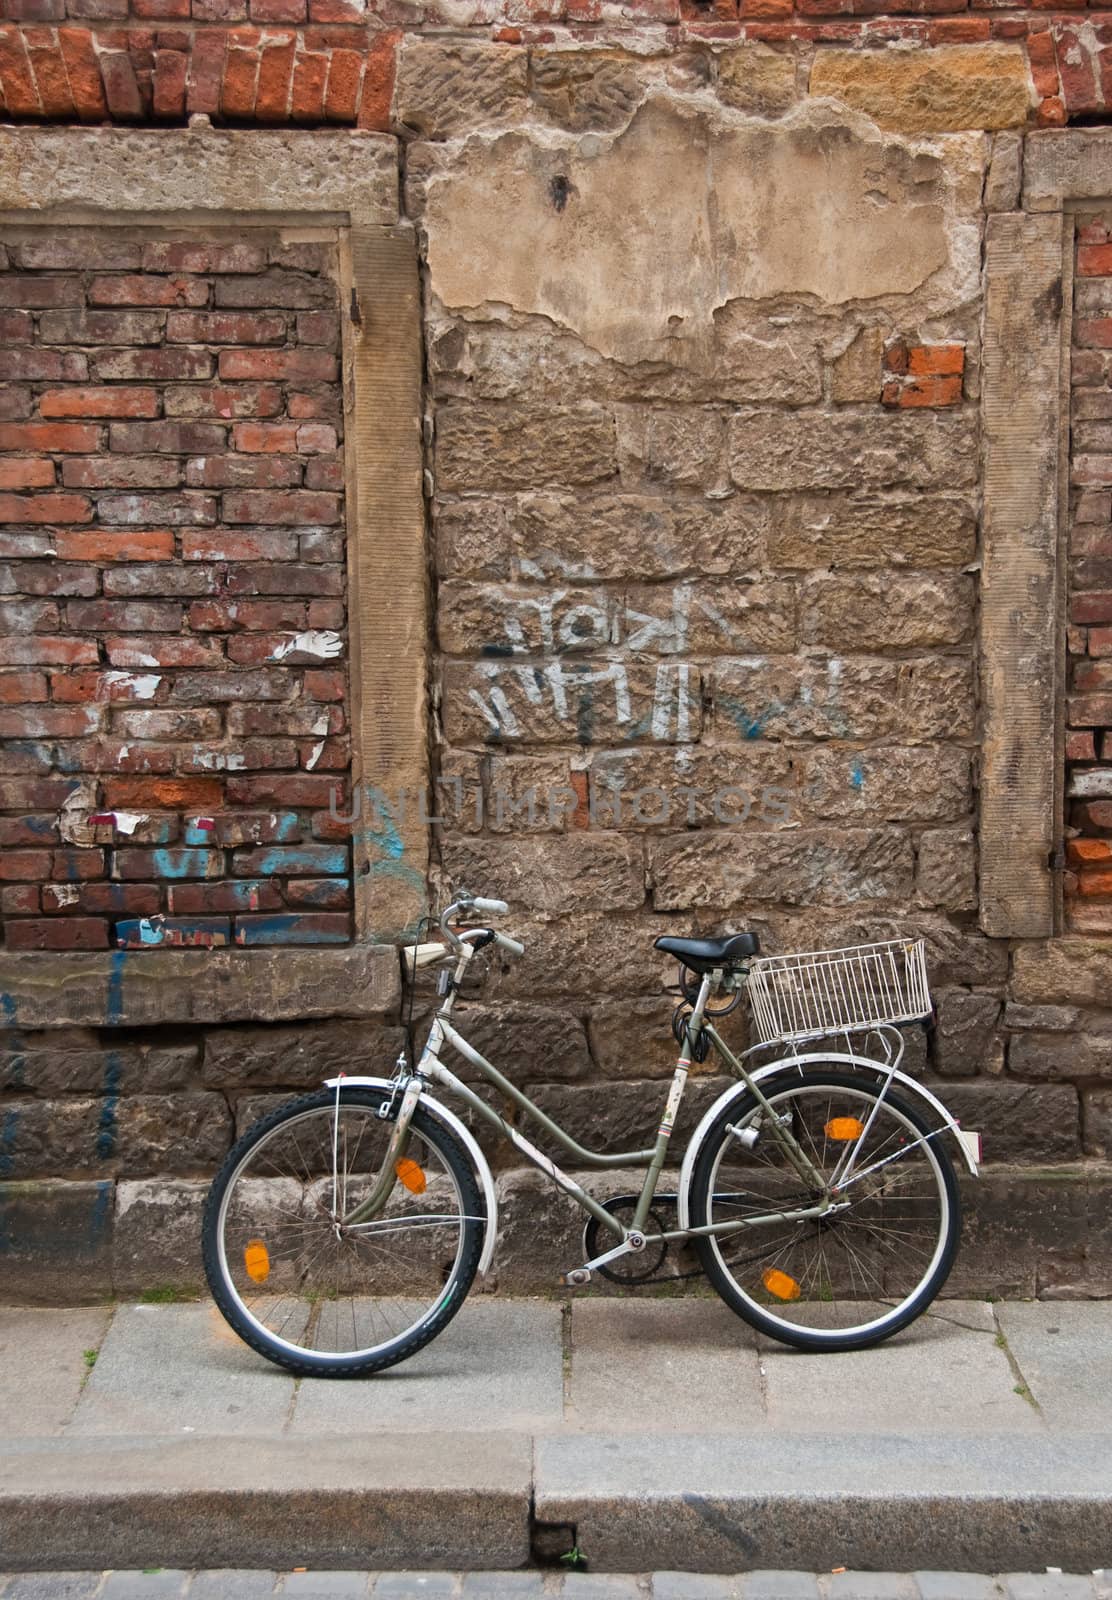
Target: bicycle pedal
x,y
576,1278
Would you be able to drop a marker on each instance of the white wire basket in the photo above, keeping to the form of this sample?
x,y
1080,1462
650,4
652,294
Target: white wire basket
x,y
838,991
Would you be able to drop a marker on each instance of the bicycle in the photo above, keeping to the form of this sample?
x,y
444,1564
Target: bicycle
x,y
345,1229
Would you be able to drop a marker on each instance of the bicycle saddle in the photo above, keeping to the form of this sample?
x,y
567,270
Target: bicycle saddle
x,y
702,954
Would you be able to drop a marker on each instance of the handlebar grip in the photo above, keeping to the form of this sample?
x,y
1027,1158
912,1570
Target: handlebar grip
x,y
494,908
514,946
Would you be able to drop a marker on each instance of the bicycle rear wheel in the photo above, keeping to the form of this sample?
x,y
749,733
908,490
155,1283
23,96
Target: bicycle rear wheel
x,y
845,1281
329,1298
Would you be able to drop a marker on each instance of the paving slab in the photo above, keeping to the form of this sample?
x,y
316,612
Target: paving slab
x,y
671,1366
165,1584
446,1500
416,1586
52,1586
1065,1355
938,1376
984,1502
180,1369
499,1359
43,1367
232,1583
956,1586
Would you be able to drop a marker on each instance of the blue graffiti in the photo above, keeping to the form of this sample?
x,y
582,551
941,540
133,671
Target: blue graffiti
x,y
101,1211
857,775
106,1128
114,1009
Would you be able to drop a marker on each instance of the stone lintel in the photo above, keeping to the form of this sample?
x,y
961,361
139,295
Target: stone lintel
x,y
137,989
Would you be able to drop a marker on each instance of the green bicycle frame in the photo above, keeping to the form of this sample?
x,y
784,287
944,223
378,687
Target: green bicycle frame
x,y
431,1067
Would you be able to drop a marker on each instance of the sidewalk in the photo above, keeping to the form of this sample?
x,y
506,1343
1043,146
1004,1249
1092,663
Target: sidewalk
x,y
654,1434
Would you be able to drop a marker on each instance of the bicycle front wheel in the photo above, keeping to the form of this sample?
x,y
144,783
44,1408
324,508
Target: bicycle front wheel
x,y
852,1278
309,1286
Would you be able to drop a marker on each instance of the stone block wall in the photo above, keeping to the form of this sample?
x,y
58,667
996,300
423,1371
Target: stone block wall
x,y
702,305
173,679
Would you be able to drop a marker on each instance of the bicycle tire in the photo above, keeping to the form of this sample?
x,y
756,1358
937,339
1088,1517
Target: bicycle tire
x,y
309,1363
771,1317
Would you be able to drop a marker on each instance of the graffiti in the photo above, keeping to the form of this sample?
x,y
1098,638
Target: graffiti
x,y
664,706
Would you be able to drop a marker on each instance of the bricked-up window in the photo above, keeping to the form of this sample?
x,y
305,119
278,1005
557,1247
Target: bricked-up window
x,y
173,659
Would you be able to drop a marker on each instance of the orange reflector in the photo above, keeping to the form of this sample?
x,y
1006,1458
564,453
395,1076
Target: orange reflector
x,y
844,1128
256,1258
411,1175
779,1284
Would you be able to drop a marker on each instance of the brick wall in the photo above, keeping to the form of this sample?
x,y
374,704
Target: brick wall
x,y
172,666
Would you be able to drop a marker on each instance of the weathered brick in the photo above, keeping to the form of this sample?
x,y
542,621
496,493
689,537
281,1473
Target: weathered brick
x,y
180,438
62,933
286,507
139,289
78,687
229,401
243,472
46,722
320,927
98,402
155,365
323,894
101,327
163,650
21,473
170,863
36,365
108,544
185,255
29,865
220,327
290,578
188,507
45,508
72,866
201,899
300,860
172,578
174,933
40,293
56,437
211,688
121,472
286,789
295,366
21,688
49,648
222,544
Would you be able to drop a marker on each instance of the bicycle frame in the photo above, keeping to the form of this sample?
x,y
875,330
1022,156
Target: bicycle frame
x,y
430,1067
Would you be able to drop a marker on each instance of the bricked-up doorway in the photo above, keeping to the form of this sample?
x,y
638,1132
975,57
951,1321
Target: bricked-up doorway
x,y
197,661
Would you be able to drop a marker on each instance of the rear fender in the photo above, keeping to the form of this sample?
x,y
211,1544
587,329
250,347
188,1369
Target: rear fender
x,y
447,1119
864,1064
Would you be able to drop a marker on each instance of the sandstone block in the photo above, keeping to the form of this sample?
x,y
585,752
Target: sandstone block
x,y
1096,1122
532,794
581,89
503,447
891,612
1060,1057
573,701
681,447
581,952
965,1035
751,785
939,90
756,79
1020,1232
49,1064
1005,173
633,1039
572,537
443,88
527,1043
946,869
134,1135
788,450
805,867
1062,972
550,876
887,783
58,1241
297,1058
856,373
840,531
157,1236
626,1115
1019,1122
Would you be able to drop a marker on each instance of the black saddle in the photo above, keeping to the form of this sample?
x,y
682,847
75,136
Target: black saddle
x,y
700,955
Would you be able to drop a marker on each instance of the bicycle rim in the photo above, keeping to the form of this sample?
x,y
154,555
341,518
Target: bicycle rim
x,y
868,1269
310,1291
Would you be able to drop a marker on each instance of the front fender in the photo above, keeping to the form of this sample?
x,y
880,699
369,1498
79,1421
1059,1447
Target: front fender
x,y
913,1089
463,1133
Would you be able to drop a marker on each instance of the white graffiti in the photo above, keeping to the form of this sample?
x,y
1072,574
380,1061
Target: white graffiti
x,y
571,695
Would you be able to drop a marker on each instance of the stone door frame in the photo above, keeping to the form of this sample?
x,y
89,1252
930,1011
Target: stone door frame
x,y
1025,406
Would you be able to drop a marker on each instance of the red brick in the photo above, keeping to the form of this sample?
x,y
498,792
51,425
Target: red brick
x,y
245,400
100,327
173,436
78,250
121,472
157,365
1092,881
100,687
151,654
1052,113
1090,711
226,616
39,293
325,684
225,327
76,402
315,438
285,789
45,508
121,88
325,894
83,72
256,755
1100,642
18,688
15,75
109,899
19,616
195,899
1090,675
32,831
171,68
241,77
186,508
47,578
297,366
935,360
186,255
64,933
287,577
1080,747
203,722
16,327
345,71
139,616
28,473
1095,260
35,794
1095,332
24,865
310,74
162,794
15,402
144,289
20,900
223,544
114,755
378,82
56,437
46,649
325,473
322,927
244,472
70,866
922,392
313,405
318,327
279,10
265,436
49,722
50,75
286,507
275,75
108,544
327,614
35,365
206,68
173,578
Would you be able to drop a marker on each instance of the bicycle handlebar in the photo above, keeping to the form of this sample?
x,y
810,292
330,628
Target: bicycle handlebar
x,y
467,903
